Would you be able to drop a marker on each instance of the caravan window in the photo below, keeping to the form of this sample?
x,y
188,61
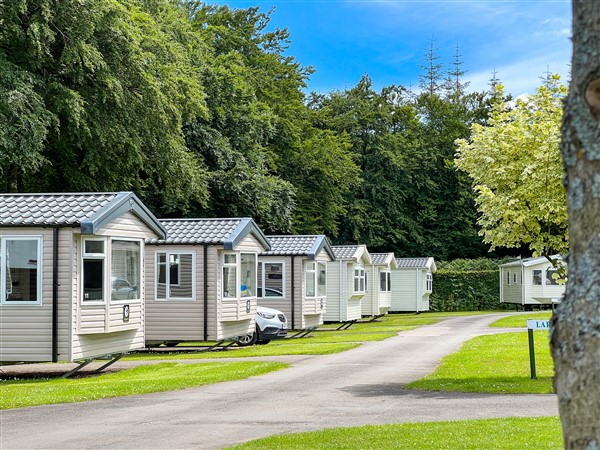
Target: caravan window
x,y
239,275
21,270
551,277
359,280
321,279
384,281
178,282
315,279
271,279
537,277
94,270
125,270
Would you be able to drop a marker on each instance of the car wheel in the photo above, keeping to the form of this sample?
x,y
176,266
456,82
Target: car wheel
x,y
264,341
248,339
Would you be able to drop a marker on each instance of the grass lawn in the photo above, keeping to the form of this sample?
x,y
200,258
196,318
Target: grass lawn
x,y
140,380
499,434
521,320
494,364
317,343
275,348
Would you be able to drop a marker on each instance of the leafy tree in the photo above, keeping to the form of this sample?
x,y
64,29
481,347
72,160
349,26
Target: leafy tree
x,y
111,84
449,226
237,141
24,124
384,209
516,169
262,152
575,336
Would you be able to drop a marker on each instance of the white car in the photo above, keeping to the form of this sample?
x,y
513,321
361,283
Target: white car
x,y
270,324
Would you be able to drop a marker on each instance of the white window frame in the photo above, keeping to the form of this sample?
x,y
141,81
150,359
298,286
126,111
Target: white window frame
x,y
542,277
360,278
546,277
140,271
167,282
238,277
106,274
263,278
317,272
313,272
428,282
40,272
387,275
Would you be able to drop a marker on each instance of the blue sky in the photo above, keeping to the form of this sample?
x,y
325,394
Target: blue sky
x,y
387,39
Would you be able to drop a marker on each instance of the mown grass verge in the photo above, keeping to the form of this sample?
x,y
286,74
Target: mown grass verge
x,y
520,321
139,380
493,364
498,434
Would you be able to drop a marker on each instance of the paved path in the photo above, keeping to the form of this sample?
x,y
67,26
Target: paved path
x,y
360,386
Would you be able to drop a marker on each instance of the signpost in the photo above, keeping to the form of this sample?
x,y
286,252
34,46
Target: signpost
x,y
531,326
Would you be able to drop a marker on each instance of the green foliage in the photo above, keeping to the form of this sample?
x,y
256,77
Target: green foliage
x,y
517,172
513,433
496,364
200,109
111,84
462,285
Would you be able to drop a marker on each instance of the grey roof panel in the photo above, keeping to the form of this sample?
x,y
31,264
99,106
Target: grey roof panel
x,y
50,209
380,258
226,232
411,263
305,245
345,251
90,211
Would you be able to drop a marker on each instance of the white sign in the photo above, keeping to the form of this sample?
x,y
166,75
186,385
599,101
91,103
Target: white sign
x,y
538,324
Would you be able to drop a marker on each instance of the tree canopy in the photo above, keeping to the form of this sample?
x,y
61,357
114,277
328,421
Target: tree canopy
x,y
516,167
203,111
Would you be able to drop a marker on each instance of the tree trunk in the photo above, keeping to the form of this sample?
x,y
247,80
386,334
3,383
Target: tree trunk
x,y
575,330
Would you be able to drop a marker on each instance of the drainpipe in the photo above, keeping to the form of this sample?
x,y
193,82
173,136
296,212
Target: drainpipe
x,y
205,276
417,290
522,284
55,295
293,296
342,291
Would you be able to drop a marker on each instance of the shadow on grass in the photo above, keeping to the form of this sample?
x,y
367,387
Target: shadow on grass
x,y
453,388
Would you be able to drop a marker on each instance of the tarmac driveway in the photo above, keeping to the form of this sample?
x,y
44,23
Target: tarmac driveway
x,y
360,386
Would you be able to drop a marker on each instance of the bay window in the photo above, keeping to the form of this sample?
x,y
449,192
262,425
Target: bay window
x,y
239,270
94,259
124,276
315,276
385,284
429,283
359,280
125,270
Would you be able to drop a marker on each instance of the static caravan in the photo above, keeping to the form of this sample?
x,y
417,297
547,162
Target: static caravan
x,y
530,281
346,281
378,284
202,280
412,282
292,277
71,275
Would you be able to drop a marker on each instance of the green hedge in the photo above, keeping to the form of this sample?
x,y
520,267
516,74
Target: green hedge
x,y
467,285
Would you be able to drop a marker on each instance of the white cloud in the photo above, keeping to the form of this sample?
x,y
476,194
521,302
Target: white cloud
x,y
522,77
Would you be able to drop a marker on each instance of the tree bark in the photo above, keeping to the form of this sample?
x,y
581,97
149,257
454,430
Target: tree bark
x,y
575,328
